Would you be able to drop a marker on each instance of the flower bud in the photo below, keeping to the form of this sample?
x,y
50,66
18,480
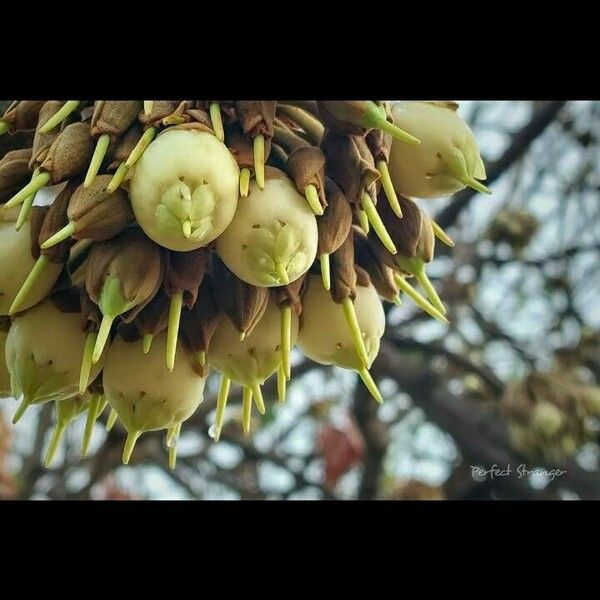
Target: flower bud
x,y
14,172
22,115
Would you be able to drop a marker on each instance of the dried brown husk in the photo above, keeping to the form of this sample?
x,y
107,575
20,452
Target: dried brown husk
x,y
43,141
256,117
240,147
161,109
342,116
381,275
154,318
291,293
125,145
343,273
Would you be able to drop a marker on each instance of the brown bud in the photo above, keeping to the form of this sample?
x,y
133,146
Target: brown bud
x,y
90,312
256,117
43,141
22,115
291,293
243,303
350,164
184,272
160,110
124,146
334,225
412,235
343,116
380,275
36,221
239,146
135,261
55,220
114,117
154,319
14,172
97,214
380,144
199,323
70,154
343,273
306,166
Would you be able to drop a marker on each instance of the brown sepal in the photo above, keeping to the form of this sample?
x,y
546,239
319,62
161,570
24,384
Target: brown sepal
x,y
14,172
342,116
256,117
306,165
124,146
184,272
343,273
291,293
36,221
43,141
336,221
381,275
22,115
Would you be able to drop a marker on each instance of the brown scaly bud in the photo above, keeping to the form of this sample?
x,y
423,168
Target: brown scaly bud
x,y
380,275
14,172
343,273
243,303
199,323
125,146
43,141
357,117
306,166
70,153
123,275
114,117
380,144
21,115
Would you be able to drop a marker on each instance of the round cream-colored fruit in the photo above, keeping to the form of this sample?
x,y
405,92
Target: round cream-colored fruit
x,y
257,357
144,393
325,336
4,374
448,147
44,349
184,189
273,237
16,263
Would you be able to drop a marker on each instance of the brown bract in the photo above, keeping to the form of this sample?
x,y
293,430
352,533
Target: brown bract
x,y
380,275
379,144
291,293
343,117
96,213
154,318
160,110
70,153
125,145
240,147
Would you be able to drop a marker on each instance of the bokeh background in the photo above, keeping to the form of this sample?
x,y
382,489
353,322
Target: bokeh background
x,y
511,383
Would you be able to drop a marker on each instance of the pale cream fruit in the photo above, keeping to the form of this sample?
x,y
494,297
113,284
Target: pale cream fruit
x,y
44,348
447,159
184,189
273,237
252,361
16,263
4,374
325,336
144,393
